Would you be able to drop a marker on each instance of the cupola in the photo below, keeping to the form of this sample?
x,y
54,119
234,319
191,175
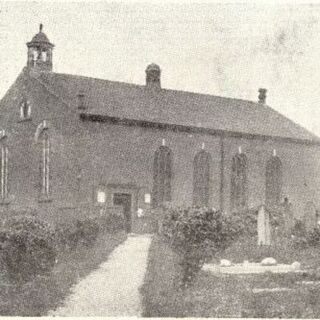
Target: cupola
x,y
153,73
40,51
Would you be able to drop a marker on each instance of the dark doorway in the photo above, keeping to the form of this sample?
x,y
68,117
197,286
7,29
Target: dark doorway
x,y
124,200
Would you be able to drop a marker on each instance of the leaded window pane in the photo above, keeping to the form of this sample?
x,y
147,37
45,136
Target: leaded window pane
x,y
162,173
239,182
201,178
273,182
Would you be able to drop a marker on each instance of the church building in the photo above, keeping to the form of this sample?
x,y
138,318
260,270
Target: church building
x,y
71,143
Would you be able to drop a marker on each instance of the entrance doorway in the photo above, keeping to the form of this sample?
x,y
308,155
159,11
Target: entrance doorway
x,y
124,200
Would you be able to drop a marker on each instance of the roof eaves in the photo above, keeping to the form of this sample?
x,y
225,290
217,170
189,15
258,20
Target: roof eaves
x,y
184,128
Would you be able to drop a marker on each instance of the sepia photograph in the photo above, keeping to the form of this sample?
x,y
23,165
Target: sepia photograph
x,y
160,159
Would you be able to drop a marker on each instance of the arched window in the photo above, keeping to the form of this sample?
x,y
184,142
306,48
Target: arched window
x,y
273,182
201,178
25,110
162,172
35,55
3,166
44,56
42,136
239,182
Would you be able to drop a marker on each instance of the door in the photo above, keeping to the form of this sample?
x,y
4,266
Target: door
x,y
124,200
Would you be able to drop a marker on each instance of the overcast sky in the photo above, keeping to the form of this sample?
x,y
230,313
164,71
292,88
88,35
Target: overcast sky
x,y
221,49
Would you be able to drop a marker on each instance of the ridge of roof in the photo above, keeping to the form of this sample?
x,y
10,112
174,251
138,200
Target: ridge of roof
x,y
143,87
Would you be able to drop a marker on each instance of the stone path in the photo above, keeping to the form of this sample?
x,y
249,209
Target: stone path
x,y
113,289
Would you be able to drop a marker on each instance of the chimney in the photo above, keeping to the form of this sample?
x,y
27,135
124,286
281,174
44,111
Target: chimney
x,y
262,95
153,76
81,102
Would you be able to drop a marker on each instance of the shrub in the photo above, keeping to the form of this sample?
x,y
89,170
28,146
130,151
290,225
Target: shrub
x,y
298,229
301,238
29,247
313,238
111,223
85,231
197,234
67,236
78,232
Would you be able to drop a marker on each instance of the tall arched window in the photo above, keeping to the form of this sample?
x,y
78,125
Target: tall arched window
x,y
3,166
25,110
239,182
273,182
162,173
201,178
42,137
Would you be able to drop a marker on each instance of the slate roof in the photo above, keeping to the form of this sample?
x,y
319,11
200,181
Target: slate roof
x,y
137,102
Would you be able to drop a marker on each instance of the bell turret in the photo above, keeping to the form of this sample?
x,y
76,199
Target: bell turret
x,y
40,52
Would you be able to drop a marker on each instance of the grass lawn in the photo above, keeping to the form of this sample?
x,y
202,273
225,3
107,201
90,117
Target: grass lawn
x,y
37,297
209,297
230,295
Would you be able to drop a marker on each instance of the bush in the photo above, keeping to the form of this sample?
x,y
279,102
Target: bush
x,y
313,238
28,246
88,231
302,238
111,223
197,234
85,231
80,232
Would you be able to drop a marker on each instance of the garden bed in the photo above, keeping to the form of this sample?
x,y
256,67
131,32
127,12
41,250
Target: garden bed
x,y
209,296
46,292
292,295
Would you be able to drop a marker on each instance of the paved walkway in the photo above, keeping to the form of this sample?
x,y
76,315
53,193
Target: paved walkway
x,y
113,289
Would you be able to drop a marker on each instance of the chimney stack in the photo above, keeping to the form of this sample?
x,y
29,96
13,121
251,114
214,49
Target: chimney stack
x,y
153,73
262,95
81,102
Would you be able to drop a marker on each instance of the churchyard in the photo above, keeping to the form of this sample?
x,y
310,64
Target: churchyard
x,y
197,263
271,270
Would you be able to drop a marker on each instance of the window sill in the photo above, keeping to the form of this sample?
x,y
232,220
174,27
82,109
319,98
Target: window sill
x,y
25,119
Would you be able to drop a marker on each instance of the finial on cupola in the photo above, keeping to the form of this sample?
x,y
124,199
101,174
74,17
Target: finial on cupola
x,y
40,27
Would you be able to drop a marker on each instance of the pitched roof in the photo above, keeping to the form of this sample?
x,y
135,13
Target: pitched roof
x,y
172,107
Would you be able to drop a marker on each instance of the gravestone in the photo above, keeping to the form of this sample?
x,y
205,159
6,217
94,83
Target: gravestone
x,y
310,216
264,231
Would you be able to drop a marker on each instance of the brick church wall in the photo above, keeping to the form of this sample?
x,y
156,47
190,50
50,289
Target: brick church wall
x,y
88,155
121,155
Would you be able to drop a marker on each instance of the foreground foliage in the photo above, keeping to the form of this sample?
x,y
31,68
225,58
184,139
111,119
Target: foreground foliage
x,y
189,241
46,292
29,247
228,296
197,235
84,232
